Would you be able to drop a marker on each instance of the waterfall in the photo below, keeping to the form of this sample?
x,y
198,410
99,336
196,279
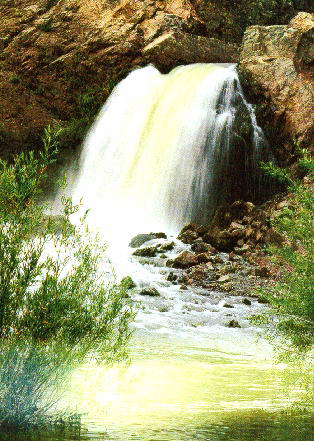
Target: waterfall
x,y
166,149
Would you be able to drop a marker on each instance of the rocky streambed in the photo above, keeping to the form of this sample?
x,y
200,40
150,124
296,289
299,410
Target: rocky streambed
x,y
208,275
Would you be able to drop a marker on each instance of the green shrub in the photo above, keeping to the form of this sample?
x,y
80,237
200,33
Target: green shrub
x,y
56,311
293,296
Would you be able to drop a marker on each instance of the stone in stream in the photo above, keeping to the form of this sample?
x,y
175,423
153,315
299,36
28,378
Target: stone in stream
x,y
146,252
148,291
172,277
140,239
184,260
233,324
168,246
247,302
227,305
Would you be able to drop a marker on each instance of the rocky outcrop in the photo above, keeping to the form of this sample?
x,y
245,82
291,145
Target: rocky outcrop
x,y
185,49
277,66
54,52
239,229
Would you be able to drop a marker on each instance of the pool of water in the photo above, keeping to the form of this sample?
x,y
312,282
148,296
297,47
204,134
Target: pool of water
x,y
183,391
192,390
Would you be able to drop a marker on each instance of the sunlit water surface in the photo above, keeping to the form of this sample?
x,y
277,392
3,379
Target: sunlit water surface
x,y
175,391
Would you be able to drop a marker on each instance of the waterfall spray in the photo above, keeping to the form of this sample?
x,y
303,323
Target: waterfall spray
x,y
161,150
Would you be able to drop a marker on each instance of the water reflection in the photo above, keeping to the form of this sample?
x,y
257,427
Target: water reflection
x,y
232,426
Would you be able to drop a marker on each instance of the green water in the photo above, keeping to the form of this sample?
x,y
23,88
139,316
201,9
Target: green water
x,y
174,390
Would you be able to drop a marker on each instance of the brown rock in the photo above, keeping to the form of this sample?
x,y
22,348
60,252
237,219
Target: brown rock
x,y
184,260
60,50
274,237
262,271
277,63
199,246
188,234
233,324
203,257
174,48
236,226
248,232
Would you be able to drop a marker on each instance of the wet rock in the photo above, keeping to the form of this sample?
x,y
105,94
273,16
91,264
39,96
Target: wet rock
x,y
209,266
183,287
236,226
172,277
222,240
217,259
229,286
166,247
128,283
140,239
203,257
151,292
146,252
183,279
197,274
227,305
247,302
185,260
198,246
233,324
188,234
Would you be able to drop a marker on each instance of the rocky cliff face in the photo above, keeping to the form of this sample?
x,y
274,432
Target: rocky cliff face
x,y
277,66
59,59
54,52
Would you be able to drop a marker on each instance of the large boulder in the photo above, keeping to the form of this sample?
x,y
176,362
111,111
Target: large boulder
x,y
175,48
277,66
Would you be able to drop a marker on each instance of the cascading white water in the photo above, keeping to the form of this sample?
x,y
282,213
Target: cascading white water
x,y
157,156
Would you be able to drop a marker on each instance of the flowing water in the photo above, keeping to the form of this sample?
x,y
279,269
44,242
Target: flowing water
x,y
161,150
157,158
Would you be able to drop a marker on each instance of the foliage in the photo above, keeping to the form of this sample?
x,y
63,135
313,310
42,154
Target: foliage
x,y
87,105
293,296
265,12
56,311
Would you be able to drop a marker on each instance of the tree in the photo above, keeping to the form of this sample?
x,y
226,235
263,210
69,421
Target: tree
x,y
56,310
